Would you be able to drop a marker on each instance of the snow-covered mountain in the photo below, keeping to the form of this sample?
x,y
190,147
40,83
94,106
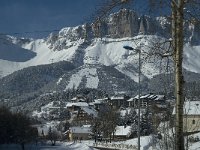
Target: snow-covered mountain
x,y
91,56
99,44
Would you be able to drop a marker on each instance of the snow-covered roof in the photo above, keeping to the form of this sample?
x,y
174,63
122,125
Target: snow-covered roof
x,y
191,108
148,96
73,99
136,97
89,111
151,96
91,103
99,101
161,106
130,100
80,99
80,104
145,96
122,130
117,97
80,130
159,97
87,125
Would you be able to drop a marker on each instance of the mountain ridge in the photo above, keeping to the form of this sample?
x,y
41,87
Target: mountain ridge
x,y
72,43
95,61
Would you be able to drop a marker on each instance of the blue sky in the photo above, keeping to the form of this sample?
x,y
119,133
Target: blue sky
x,y
18,16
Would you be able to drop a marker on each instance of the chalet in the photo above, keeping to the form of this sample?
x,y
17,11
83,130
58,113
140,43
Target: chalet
x,y
78,98
85,115
72,107
79,133
98,103
82,113
119,101
146,100
122,132
191,116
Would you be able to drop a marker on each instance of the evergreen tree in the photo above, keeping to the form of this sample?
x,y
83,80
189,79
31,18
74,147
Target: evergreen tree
x,y
16,128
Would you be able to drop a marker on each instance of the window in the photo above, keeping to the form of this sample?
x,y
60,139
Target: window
x,y
193,121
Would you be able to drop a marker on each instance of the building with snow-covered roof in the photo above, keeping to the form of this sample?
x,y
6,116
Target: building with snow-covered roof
x,y
78,98
76,106
98,103
146,100
79,133
83,112
90,111
122,132
191,116
119,101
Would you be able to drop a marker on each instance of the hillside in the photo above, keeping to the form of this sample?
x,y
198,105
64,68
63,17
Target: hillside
x,y
88,56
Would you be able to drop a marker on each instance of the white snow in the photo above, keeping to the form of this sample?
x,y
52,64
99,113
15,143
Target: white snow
x,y
99,101
81,129
146,143
123,130
191,108
90,111
44,55
124,112
191,58
80,104
84,145
59,80
106,51
89,73
45,127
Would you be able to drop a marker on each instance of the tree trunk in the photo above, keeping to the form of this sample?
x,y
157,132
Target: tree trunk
x,y
177,35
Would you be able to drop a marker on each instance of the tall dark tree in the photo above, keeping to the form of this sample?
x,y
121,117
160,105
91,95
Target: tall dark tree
x,y
106,122
16,128
52,136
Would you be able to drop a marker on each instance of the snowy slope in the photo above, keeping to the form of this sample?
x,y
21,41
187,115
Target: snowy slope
x,y
91,75
77,45
44,55
109,52
95,77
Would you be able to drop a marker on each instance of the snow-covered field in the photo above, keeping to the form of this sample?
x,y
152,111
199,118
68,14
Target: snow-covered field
x,y
147,143
85,145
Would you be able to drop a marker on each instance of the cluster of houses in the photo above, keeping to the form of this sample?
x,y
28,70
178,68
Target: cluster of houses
x,y
83,112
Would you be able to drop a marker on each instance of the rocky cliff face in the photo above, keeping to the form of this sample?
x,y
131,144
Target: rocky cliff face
x,y
125,23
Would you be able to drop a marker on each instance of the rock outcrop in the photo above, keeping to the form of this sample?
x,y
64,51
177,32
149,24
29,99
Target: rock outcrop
x,y
125,23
